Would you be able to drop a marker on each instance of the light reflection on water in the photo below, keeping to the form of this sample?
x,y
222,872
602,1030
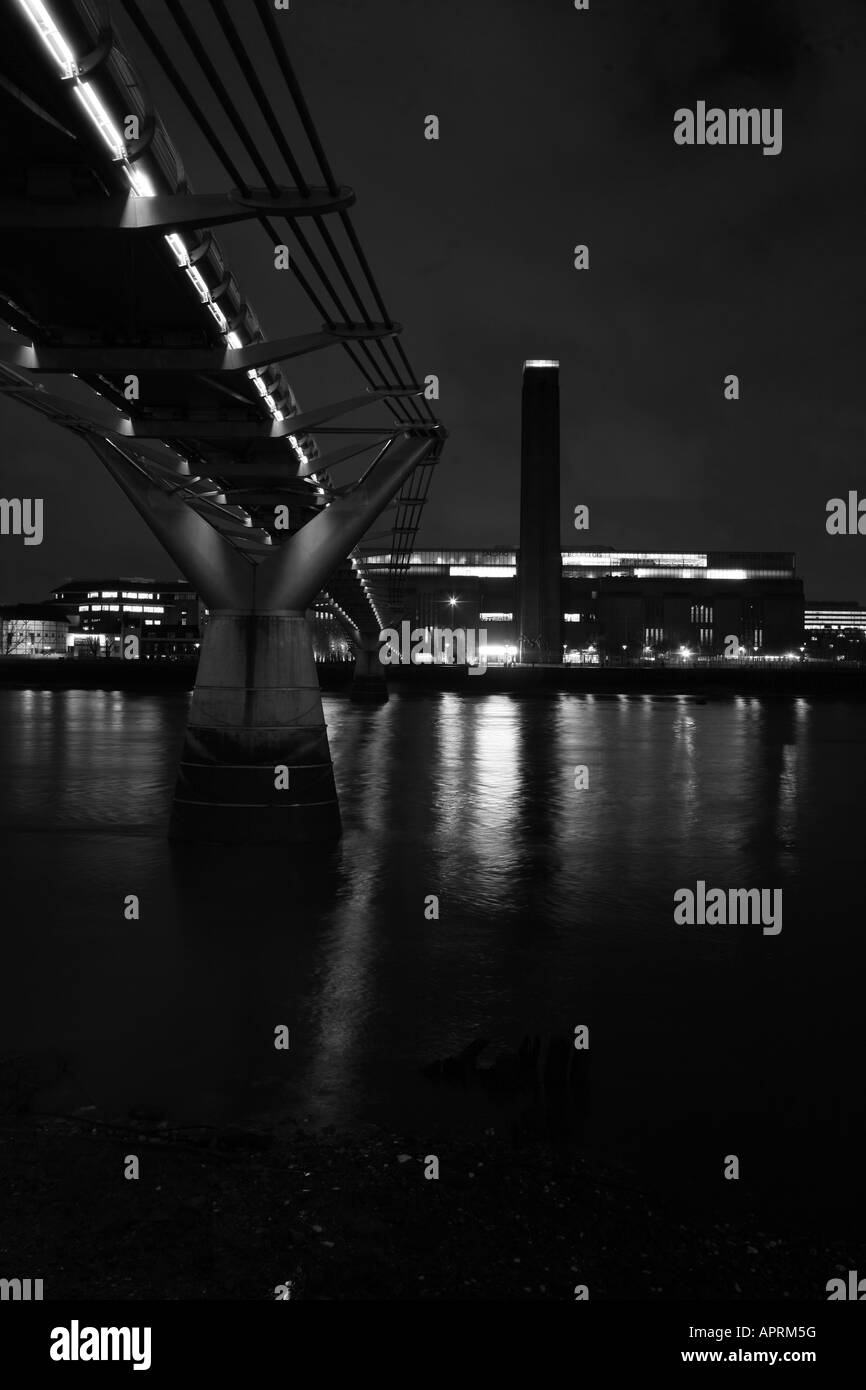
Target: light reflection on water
x,y
555,908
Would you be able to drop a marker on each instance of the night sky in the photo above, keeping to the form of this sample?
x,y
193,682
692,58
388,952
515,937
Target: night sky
x,y
557,129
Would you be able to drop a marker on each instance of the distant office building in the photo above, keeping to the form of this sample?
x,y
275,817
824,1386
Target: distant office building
x,y
166,616
835,629
834,615
616,603
539,611
32,629
330,642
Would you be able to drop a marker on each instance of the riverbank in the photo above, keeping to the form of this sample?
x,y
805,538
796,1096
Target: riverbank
x,y
806,680
234,1213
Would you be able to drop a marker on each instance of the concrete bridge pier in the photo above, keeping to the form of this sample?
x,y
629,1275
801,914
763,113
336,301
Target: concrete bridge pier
x,y
369,686
256,765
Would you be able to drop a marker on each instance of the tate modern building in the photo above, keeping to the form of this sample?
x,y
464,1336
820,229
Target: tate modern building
x,y
543,604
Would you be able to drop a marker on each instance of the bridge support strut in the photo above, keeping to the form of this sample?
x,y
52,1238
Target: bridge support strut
x,y
256,765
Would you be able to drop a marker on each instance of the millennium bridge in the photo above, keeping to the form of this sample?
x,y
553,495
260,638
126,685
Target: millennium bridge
x,y
129,328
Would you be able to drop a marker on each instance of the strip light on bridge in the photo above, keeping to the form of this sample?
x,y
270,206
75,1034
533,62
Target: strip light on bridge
x,y
141,184
50,36
180,251
295,443
100,118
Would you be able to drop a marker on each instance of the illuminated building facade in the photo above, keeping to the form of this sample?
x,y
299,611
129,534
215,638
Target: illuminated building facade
x,y
622,604
834,615
32,629
165,615
542,604
835,629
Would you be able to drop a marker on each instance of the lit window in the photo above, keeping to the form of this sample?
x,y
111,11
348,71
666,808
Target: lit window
x,y
483,571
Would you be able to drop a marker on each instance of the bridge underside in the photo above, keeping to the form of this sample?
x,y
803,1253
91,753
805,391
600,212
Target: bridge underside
x,y
112,275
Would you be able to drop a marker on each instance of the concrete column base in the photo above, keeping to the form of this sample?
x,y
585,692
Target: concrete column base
x,y
368,686
256,709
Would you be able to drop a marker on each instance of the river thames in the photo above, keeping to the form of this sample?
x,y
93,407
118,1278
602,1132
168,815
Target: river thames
x,y
555,909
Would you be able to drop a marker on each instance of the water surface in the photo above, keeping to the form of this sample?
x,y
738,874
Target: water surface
x,y
555,908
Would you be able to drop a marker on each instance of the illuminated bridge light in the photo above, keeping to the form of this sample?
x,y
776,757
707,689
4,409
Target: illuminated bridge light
x,y
142,184
181,255
100,118
196,279
50,36
298,450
